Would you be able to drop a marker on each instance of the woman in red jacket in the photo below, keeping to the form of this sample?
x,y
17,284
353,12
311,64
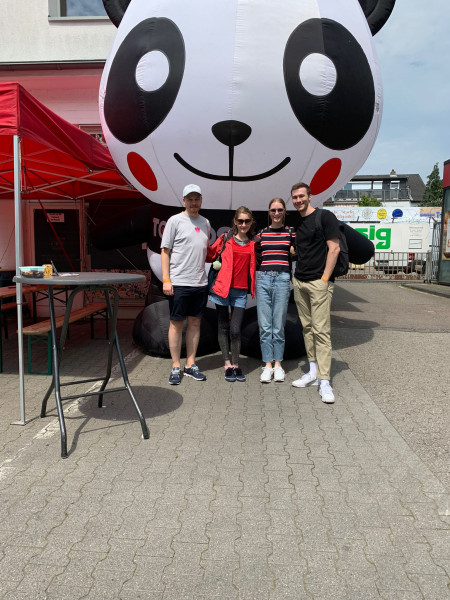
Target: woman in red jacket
x,y
235,278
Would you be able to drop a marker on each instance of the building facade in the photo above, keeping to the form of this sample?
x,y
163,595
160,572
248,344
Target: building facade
x,y
403,190
57,54
57,49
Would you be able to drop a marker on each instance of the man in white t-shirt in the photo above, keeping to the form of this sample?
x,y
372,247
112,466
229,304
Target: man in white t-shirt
x,y
183,253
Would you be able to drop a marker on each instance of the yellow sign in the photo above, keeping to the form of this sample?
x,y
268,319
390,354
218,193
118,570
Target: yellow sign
x,y
382,213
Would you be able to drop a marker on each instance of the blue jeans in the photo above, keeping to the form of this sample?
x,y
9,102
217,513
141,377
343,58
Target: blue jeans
x,y
272,296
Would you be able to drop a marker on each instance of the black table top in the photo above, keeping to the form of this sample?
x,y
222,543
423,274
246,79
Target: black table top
x,y
87,278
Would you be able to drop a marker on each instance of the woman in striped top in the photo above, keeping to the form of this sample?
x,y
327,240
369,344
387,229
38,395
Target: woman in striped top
x,y
273,288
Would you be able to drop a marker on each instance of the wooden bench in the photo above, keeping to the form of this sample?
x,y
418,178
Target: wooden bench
x,y
37,331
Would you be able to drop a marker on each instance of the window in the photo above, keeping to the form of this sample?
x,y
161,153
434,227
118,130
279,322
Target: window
x,y
95,131
361,185
76,8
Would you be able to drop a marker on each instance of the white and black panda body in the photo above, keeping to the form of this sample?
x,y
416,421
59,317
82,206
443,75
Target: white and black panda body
x,y
242,97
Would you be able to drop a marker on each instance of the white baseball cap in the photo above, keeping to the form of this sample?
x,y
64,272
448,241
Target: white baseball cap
x,y
191,188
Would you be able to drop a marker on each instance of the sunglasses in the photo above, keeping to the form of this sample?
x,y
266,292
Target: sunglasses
x,y
273,211
243,221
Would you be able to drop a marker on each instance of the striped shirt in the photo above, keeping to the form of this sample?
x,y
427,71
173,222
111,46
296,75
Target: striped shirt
x,y
275,245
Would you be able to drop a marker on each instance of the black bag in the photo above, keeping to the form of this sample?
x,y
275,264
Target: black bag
x,y
342,263
212,275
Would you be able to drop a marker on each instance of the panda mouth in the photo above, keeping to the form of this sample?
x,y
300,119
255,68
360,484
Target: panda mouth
x,y
231,176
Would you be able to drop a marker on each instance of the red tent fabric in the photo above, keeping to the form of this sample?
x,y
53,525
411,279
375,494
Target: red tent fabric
x,y
58,160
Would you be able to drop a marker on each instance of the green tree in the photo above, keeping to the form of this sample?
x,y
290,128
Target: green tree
x,y
433,189
368,201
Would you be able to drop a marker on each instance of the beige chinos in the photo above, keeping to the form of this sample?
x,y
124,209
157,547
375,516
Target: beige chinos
x,y
313,300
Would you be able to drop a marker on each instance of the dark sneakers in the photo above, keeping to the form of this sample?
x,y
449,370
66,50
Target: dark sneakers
x,y
238,374
234,374
229,374
175,376
194,372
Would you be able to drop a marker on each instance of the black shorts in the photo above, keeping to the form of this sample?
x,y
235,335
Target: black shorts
x,y
187,302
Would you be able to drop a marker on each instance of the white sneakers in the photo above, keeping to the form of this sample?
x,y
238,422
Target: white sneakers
x,y
306,380
267,373
325,389
278,374
309,379
326,392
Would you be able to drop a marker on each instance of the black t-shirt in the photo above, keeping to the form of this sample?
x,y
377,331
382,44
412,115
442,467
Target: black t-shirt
x,y
311,246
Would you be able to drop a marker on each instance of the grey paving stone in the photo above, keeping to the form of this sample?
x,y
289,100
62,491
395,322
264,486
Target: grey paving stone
x,y
266,493
224,519
221,545
59,592
391,574
285,550
289,582
148,575
400,595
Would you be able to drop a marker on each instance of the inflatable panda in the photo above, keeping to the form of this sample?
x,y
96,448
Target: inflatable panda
x,y
243,98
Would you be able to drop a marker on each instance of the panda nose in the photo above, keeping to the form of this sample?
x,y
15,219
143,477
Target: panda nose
x,y
231,133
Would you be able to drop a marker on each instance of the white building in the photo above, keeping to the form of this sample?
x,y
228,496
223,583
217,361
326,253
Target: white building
x,y
56,49
58,58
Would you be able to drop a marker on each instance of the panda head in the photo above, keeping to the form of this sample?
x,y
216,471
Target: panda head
x,y
242,97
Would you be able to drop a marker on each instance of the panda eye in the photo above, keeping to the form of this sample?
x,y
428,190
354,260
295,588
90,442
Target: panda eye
x,y
318,74
152,71
144,79
329,83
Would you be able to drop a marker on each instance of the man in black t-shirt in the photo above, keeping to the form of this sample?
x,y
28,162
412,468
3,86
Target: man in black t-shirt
x,y
317,253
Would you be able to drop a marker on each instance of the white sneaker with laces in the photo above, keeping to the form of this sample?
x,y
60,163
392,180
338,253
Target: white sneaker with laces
x,y
278,374
306,380
326,392
266,375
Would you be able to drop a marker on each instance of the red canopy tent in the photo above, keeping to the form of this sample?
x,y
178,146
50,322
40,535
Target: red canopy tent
x,y
42,156
58,160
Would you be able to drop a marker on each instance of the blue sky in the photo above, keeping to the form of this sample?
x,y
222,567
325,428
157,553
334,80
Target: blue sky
x,y
413,49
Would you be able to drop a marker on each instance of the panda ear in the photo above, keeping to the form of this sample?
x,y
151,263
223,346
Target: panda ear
x,y
116,9
377,12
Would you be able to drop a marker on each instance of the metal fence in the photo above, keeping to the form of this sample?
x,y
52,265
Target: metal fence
x,y
418,266
394,265
382,195
435,252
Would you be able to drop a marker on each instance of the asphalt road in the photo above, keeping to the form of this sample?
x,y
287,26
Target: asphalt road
x,y
396,342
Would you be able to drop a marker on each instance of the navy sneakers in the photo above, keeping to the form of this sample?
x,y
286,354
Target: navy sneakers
x,y
175,376
238,374
194,372
229,374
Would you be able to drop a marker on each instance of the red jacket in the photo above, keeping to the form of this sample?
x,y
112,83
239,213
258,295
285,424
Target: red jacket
x,y
222,284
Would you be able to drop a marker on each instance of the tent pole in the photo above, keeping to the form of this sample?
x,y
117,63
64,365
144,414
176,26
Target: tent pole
x,y
18,236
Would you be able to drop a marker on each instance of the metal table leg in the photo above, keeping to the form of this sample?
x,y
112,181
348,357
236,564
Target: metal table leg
x,y
56,383
113,341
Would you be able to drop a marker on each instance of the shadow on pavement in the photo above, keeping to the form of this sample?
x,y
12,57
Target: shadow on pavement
x,y
118,409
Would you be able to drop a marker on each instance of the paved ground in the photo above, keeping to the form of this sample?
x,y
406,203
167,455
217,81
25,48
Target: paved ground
x,y
243,491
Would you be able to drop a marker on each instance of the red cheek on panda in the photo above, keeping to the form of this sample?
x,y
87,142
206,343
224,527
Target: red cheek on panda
x,y
326,176
142,171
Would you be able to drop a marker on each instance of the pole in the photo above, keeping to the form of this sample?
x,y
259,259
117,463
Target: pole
x,y
18,238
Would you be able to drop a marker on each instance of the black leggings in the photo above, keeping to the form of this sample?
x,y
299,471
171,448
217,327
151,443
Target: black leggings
x,y
230,330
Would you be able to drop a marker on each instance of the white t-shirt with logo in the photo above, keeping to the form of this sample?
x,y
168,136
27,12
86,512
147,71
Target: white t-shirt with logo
x,y
188,239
